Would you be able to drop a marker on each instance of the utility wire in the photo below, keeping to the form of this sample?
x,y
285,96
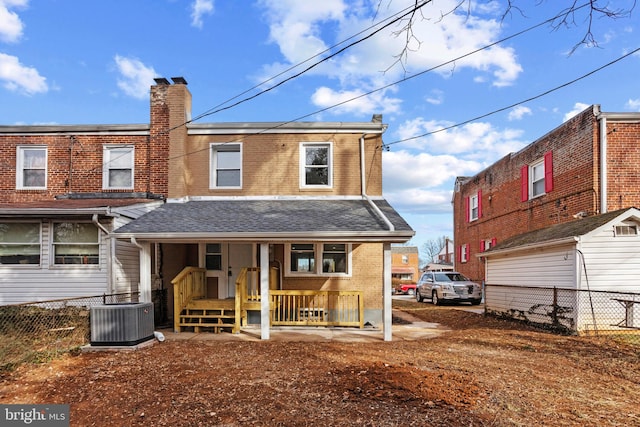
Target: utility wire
x,y
294,76
518,103
329,49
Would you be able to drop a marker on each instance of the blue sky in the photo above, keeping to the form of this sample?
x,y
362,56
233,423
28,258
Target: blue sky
x,y
91,62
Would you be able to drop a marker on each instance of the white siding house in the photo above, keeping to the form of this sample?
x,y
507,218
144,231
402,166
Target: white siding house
x,y
90,265
583,275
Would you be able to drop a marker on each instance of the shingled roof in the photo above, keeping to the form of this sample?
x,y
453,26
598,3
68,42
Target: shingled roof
x,y
270,218
575,228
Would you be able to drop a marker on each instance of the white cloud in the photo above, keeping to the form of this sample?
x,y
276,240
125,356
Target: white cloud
x,y
297,29
436,97
478,140
422,182
18,77
578,107
633,104
199,8
374,103
518,112
11,26
135,77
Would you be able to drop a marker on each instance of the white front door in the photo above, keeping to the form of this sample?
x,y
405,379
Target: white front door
x,y
223,262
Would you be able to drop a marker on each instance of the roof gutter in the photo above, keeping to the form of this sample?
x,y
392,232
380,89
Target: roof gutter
x,y
531,246
320,236
363,183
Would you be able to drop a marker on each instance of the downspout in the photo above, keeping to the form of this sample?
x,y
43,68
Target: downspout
x,y
386,258
603,164
363,183
110,252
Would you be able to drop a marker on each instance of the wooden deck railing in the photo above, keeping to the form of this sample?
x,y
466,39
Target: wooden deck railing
x,y
247,295
187,285
317,308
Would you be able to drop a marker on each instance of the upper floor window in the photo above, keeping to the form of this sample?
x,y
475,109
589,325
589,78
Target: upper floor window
x,y
117,172
19,243
536,178
405,259
318,259
473,208
226,166
32,168
75,243
315,165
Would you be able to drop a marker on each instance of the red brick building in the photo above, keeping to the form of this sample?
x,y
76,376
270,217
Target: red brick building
x,y
587,166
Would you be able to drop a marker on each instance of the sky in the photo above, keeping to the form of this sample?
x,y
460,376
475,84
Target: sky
x,y
460,90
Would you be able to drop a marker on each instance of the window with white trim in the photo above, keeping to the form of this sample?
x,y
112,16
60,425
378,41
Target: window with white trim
x,y
75,243
464,253
315,165
31,171
226,166
473,208
117,168
318,259
20,243
536,183
626,230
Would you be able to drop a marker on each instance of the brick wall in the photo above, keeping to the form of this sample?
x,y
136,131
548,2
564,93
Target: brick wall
x,y
74,163
575,176
270,165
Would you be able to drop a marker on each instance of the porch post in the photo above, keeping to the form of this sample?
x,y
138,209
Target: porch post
x,y
265,298
386,292
145,272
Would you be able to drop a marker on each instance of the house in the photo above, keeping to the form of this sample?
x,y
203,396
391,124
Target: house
x,y
267,223
586,166
63,190
444,259
579,275
405,268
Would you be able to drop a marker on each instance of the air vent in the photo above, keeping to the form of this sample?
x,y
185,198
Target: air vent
x,y
123,324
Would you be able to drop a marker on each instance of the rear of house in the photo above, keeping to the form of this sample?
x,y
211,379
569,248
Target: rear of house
x,y
287,217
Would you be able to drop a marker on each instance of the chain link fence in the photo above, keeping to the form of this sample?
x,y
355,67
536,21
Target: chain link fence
x,y
593,313
40,331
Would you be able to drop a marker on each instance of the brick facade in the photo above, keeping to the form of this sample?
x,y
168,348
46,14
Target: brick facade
x,y
573,153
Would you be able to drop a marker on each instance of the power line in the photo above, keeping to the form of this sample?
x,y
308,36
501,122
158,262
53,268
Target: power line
x,y
517,103
294,76
212,110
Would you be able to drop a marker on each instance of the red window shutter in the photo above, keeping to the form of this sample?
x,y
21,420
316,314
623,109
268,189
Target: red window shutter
x,y
466,209
482,246
494,241
479,204
459,254
548,172
524,183
468,246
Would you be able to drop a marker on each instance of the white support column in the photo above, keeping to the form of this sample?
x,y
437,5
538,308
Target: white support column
x,y
386,292
265,298
145,272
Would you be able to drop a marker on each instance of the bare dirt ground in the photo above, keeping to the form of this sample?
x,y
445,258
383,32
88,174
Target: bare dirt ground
x,y
483,372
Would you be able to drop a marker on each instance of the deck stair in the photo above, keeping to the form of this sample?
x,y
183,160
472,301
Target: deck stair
x,y
208,315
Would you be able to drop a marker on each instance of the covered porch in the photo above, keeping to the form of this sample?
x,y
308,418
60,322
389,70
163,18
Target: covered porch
x,y
269,263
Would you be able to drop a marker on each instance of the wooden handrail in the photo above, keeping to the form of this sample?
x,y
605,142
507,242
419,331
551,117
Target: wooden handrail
x,y
187,285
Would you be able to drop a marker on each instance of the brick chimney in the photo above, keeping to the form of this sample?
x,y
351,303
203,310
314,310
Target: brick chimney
x,y
170,112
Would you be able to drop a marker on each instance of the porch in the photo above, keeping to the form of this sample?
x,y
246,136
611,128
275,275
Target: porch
x,y
194,312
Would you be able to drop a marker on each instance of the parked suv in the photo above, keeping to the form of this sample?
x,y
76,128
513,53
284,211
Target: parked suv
x,y
441,286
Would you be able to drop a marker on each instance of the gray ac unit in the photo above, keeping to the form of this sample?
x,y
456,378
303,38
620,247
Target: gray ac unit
x,y
122,324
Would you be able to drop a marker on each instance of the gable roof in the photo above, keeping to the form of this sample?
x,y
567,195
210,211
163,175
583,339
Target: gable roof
x,y
558,233
269,220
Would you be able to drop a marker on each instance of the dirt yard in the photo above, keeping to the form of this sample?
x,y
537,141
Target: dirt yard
x,y
484,372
